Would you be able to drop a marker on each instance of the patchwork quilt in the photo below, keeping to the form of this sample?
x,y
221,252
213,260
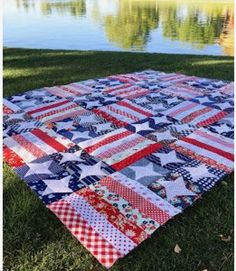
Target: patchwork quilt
x,y
117,157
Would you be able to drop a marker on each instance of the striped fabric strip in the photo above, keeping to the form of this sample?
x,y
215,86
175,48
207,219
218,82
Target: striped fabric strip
x,y
70,90
60,109
217,151
35,144
125,208
100,224
77,89
110,118
144,206
212,146
135,94
191,117
29,145
24,154
195,114
183,92
177,111
116,89
123,112
189,89
211,119
135,108
124,78
136,156
113,215
56,111
136,139
81,89
220,141
46,108
119,112
60,92
105,253
146,193
92,145
59,138
57,146
200,157
119,148
131,76
175,78
128,91
212,139
72,113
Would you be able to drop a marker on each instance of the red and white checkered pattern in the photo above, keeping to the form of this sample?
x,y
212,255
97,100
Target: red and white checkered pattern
x,y
105,253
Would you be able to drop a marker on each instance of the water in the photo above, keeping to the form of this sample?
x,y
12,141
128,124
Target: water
x,y
175,26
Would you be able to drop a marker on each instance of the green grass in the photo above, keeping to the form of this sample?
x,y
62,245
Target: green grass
x,y
34,240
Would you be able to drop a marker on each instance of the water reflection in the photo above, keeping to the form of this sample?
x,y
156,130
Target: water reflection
x,y
141,24
75,8
132,25
197,27
26,4
226,39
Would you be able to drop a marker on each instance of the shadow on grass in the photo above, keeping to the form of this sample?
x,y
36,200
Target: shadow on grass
x,y
30,69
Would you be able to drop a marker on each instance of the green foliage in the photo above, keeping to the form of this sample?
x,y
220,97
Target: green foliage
x,y
34,240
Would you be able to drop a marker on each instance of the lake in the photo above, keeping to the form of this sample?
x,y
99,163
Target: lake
x,y
175,26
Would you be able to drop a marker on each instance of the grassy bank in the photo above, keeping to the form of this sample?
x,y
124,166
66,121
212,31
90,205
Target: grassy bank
x,y
34,240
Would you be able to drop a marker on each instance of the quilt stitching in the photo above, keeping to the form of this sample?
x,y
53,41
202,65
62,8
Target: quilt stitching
x,y
115,158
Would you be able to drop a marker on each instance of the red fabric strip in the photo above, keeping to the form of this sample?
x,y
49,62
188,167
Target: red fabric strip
x,y
12,158
136,156
143,112
112,89
47,107
212,119
29,146
107,140
209,148
108,117
49,140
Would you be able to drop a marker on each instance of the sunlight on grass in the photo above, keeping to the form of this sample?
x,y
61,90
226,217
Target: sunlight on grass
x,y
213,62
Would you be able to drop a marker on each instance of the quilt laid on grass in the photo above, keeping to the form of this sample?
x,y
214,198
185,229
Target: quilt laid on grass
x,y
117,157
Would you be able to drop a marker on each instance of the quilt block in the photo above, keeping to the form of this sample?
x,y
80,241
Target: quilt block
x,y
115,158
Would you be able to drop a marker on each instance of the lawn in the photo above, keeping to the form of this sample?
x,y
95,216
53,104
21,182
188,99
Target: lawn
x,y
34,240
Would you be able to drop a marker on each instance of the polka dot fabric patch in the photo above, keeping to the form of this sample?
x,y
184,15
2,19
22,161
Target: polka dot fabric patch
x,y
115,158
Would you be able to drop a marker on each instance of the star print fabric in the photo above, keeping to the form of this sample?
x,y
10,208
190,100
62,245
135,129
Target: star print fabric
x,y
115,158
